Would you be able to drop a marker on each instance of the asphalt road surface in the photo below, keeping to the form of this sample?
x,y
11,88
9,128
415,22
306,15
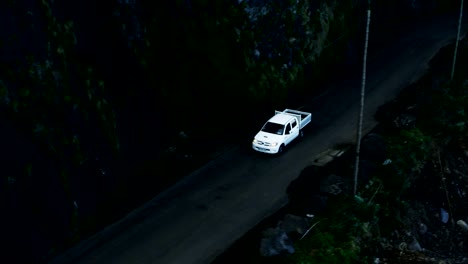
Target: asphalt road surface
x,y
206,212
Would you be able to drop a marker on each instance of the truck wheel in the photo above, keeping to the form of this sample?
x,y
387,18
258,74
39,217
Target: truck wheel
x,y
301,133
281,149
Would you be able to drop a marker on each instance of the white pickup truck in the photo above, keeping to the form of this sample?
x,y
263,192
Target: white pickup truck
x,y
281,130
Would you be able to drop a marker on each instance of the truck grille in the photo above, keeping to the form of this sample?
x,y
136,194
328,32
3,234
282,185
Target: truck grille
x,y
266,144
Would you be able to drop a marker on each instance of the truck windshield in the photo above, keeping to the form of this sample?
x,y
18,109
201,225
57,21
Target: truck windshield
x,y
273,128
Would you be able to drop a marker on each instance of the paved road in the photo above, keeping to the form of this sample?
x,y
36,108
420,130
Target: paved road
x,y
201,216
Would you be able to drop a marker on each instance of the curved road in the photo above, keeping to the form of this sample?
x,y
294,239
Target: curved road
x,y
205,213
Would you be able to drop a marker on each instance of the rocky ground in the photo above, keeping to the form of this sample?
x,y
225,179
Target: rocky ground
x,y
411,204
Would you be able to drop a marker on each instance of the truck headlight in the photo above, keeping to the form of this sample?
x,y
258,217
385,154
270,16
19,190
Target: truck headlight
x,y
274,144
254,141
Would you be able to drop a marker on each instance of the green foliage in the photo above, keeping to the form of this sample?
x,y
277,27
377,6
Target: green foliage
x,y
341,234
351,229
214,49
447,110
408,150
58,105
195,61
323,247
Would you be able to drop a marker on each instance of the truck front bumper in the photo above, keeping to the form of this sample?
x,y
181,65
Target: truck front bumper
x,y
265,149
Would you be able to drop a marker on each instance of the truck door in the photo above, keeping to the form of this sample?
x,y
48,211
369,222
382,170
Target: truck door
x,y
295,128
289,133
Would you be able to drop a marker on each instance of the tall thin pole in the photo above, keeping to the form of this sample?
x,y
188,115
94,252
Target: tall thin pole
x,y
456,43
361,111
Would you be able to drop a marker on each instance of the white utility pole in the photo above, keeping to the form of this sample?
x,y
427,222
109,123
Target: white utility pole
x,y
361,112
456,43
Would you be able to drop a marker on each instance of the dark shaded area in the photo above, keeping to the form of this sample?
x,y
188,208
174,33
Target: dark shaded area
x,y
104,105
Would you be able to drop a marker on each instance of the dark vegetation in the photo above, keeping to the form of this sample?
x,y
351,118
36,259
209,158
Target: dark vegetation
x,y
412,187
104,105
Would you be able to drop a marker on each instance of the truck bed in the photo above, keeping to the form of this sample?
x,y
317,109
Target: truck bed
x,y
304,117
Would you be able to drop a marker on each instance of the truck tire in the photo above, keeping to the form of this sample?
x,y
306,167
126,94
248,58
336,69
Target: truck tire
x,y
301,133
281,149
